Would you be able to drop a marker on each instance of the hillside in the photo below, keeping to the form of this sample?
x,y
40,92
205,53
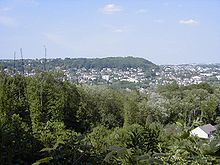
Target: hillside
x,y
110,62
88,63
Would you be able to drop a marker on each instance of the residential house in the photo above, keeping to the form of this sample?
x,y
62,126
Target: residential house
x,y
205,131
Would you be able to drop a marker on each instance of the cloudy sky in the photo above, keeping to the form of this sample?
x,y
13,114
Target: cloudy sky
x,y
162,31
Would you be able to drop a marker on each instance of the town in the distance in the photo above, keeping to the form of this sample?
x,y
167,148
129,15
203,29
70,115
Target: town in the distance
x,y
118,72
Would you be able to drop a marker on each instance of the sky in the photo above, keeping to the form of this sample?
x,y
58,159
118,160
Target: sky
x,y
162,31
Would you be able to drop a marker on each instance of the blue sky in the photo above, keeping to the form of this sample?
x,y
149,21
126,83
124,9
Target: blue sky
x,y
162,31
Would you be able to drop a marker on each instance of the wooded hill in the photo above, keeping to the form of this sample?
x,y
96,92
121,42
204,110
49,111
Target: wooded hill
x,y
88,63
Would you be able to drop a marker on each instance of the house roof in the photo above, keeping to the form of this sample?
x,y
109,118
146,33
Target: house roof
x,y
208,128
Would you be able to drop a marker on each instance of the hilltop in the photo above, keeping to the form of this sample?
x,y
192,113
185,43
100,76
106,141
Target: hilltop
x,y
110,62
100,63
88,63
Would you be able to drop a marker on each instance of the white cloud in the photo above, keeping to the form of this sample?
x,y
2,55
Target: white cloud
x,y
35,3
118,30
188,22
111,9
5,9
141,11
8,21
159,21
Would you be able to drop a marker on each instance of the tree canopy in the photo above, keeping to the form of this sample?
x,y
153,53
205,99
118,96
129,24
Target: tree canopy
x,y
47,119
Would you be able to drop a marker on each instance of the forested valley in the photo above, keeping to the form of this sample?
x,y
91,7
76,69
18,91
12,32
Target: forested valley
x,y
46,119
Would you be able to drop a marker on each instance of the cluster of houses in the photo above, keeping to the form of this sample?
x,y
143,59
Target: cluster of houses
x,y
182,74
188,74
107,75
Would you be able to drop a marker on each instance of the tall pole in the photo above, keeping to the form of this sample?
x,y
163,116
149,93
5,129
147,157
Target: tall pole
x,y
14,61
22,61
45,57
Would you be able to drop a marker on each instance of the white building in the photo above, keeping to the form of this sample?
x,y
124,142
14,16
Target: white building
x,y
205,131
105,77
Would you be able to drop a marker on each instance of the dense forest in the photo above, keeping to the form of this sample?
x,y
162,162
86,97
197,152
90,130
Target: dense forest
x,y
88,63
46,119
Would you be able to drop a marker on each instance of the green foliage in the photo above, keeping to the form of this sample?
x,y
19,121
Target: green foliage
x,y
88,63
123,145
100,105
44,160
17,142
45,119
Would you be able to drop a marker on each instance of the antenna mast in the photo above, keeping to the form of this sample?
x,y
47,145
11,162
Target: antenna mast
x,y
14,61
45,57
22,61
